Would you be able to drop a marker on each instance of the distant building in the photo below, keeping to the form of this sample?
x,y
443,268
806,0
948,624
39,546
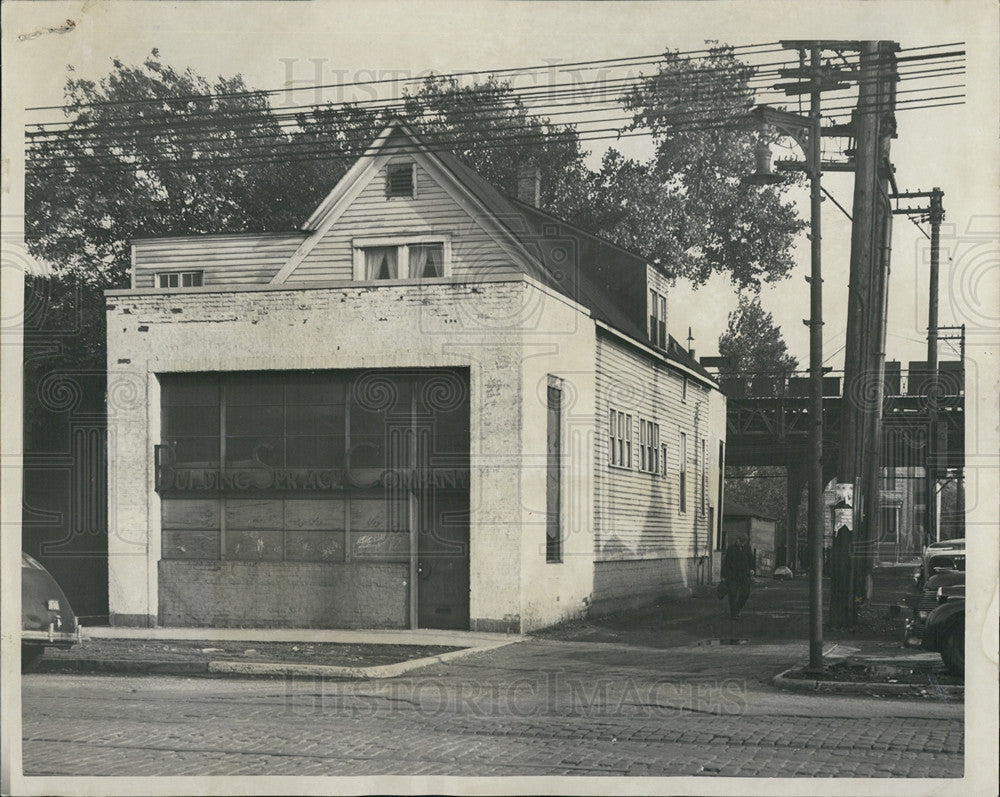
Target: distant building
x,y
759,527
434,405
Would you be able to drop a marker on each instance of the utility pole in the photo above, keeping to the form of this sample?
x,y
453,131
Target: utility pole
x,y
809,132
934,213
863,358
815,373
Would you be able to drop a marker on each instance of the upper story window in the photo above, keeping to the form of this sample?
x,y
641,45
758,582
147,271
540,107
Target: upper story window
x,y
658,319
422,257
399,180
179,279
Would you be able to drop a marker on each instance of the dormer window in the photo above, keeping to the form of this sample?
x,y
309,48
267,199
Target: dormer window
x,y
399,182
423,257
179,279
658,319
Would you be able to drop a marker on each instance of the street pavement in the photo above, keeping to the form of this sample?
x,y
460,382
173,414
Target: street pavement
x,y
537,707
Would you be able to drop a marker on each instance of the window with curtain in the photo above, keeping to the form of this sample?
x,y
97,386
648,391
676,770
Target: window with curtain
x,y
426,260
382,263
392,259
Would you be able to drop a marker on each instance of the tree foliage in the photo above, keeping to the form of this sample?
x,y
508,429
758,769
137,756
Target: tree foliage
x,y
755,351
149,150
694,212
132,162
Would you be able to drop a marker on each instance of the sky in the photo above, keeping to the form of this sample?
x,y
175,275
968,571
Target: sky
x,y
276,44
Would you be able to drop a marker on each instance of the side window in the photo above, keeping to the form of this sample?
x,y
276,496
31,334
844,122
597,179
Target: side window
x,y
683,473
619,438
179,279
649,446
704,474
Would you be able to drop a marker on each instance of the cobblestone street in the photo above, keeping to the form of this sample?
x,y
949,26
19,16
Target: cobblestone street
x,y
533,708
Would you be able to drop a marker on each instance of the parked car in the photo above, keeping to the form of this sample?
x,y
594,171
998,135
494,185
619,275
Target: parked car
x,y
943,555
937,621
47,619
944,631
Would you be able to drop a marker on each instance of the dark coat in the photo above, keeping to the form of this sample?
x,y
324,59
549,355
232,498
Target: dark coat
x,y
737,563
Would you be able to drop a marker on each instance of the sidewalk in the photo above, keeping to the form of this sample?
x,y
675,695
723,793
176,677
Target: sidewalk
x,y
777,614
866,659
327,653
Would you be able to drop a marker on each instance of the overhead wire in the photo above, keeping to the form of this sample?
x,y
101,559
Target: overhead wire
x,y
592,64
301,137
585,90
503,110
603,134
589,64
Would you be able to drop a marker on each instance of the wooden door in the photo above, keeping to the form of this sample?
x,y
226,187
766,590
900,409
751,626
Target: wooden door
x,y
443,560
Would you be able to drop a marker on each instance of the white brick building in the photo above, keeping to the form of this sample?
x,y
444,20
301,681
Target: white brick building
x,y
432,406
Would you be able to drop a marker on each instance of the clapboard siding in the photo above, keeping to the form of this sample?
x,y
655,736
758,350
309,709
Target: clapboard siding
x,y
475,254
637,514
224,259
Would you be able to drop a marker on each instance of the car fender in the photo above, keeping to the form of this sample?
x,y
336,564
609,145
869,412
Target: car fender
x,y
939,622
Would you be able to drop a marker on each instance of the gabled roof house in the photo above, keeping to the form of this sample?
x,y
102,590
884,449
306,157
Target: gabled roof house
x,y
434,405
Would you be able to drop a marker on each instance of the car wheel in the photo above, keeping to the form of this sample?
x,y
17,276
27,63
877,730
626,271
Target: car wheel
x,y
30,655
953,651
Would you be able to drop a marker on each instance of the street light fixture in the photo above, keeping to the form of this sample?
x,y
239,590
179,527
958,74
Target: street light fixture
x,y
805,130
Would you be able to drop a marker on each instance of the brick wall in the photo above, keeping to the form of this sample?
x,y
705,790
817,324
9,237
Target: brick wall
x,y
489,328
638,582
283,594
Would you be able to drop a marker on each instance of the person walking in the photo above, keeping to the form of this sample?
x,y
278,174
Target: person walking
x,y
737,570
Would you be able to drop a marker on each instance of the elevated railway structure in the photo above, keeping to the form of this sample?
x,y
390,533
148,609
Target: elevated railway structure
x,y
767,422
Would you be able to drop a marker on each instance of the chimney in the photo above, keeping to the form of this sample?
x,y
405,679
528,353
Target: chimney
x,y
529,185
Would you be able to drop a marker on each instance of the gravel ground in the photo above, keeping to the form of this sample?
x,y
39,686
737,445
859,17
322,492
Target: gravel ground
x,y
920,673
350,655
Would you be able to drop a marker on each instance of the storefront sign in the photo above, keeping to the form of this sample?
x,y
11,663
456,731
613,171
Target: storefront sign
x,y
170,480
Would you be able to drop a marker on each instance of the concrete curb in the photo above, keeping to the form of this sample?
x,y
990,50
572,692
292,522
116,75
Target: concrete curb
x,y
783,680
247,668
352,673
122,666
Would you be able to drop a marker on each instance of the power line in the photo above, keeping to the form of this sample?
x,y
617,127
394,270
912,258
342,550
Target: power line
x,y
593,64
568,90
186,136
198,164
44,149
642,60
543,122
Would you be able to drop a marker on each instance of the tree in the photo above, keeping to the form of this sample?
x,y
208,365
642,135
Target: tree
x,y
489,127
135,158
757,357
689,207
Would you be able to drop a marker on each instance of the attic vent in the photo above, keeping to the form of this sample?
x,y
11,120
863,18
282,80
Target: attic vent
x,y
399,180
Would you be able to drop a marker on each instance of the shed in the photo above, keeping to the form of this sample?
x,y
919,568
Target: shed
x,y
760,527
